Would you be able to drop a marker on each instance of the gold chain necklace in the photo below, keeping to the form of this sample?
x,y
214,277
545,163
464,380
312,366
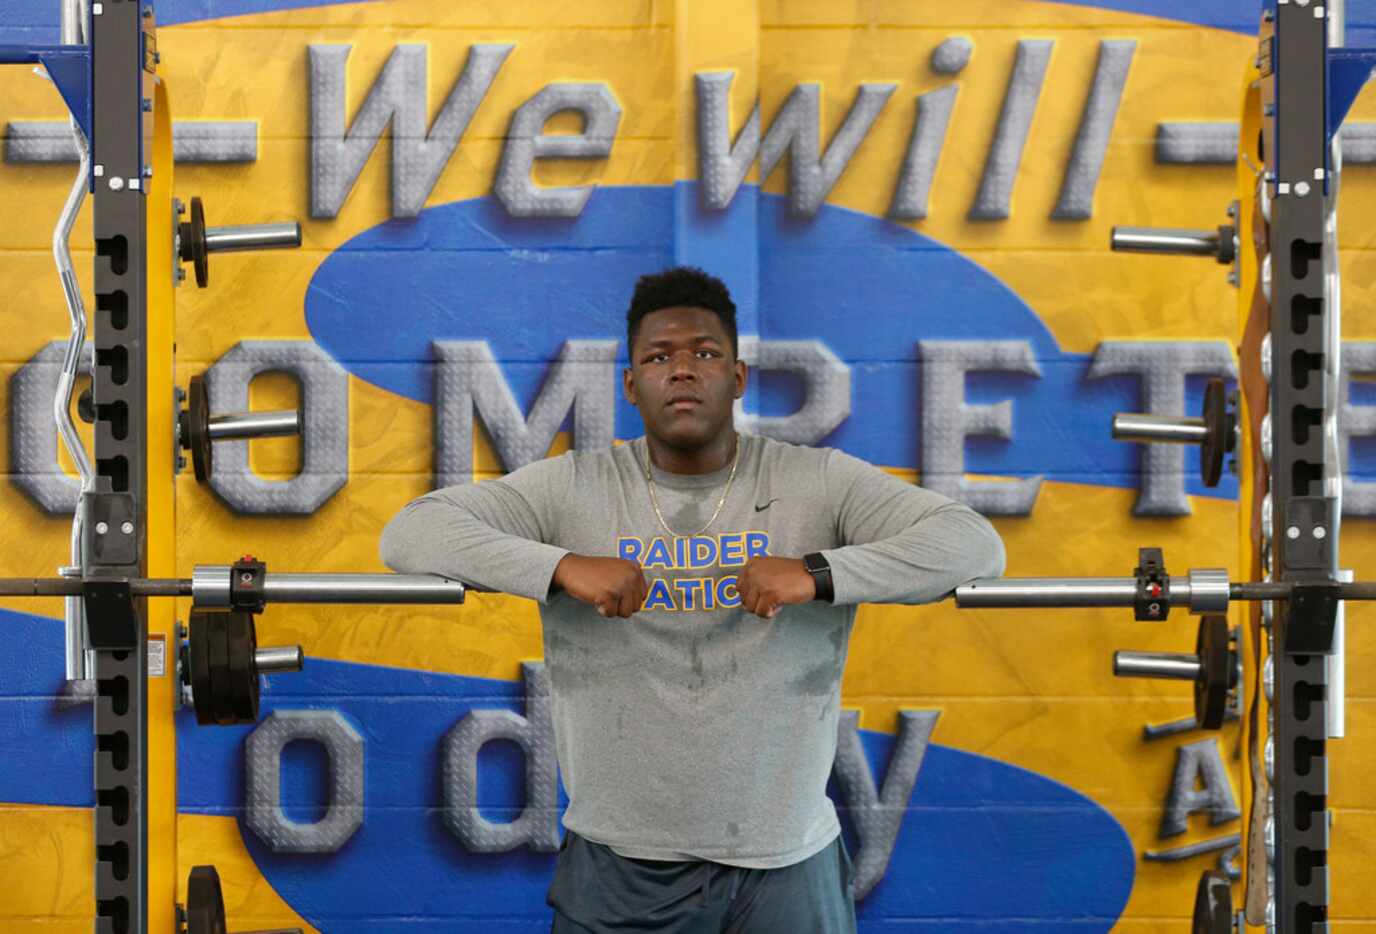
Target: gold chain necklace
x,y
654,500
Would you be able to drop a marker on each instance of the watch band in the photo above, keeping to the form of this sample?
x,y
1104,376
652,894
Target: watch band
x,y
820,570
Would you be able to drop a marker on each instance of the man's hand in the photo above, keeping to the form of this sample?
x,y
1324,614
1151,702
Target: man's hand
x,y
614,585
766,584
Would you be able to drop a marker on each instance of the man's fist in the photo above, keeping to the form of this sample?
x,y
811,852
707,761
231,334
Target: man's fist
x,y
766,584
614,585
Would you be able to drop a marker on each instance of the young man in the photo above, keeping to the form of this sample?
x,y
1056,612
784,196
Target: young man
x,y
698,589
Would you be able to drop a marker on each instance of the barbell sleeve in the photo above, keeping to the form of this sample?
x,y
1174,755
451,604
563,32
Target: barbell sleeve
x,y
1157,429
1203,590
210,588
1048,592
361,588
232,239
254,425
1171,666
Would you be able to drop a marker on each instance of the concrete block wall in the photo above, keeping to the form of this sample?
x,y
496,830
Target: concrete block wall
x,y
917,243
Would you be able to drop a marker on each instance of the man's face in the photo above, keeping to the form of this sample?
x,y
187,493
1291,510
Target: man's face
x,y
683,376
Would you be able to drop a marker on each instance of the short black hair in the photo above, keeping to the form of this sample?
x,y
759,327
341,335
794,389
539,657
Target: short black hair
x,y
686,287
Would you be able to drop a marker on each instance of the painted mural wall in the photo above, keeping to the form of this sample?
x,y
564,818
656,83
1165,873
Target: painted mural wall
x,y
911,203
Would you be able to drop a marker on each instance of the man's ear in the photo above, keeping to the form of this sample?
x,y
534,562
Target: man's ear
x,y
742,377
628,385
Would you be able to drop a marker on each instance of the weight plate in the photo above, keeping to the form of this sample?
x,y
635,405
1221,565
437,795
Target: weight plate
x,y
221,679
1215,664
1215,444
1213,904
205,903
243,672
194,245
199,661
198,429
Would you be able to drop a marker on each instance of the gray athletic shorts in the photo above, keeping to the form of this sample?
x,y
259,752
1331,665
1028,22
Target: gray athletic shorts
x,y
595,891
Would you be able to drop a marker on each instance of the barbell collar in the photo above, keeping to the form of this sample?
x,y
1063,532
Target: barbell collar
x,y
1170,240
1159,429
277,424
1208,591
1169,666
240,237
210,586
277,659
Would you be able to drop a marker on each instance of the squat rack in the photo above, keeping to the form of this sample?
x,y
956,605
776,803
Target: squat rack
x,y
106,71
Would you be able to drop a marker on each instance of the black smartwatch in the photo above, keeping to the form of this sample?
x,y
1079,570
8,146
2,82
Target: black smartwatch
x,y
821,575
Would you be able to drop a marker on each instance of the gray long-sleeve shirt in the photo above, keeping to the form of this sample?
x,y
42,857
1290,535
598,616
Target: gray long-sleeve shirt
x,y
696,730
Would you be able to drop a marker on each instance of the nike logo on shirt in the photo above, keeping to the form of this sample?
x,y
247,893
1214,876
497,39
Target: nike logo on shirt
x,y
767,505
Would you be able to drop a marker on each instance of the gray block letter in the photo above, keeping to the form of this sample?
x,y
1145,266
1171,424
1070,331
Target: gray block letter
x,y
827,389
924,149
995,197
324,390
796,129
526,142
33,430
947,419
1199,762
263,768
878,815
1096,123
398,96
467,377
722,166
538,823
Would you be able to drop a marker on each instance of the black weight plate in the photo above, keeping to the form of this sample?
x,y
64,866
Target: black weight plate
x,y
199,661
205,903
221,679
1213,904
198,428
1215,444
243,671
1212,682
200,255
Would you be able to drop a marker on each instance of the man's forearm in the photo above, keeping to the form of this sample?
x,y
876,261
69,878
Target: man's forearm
x,y
434,536
920,564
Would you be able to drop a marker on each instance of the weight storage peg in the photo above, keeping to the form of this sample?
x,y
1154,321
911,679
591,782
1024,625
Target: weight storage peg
x,y
194,241
197,430
1215,670
1216,432
1222,243
220,663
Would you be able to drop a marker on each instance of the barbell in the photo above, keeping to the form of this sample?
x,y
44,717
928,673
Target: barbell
x,y
219,664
